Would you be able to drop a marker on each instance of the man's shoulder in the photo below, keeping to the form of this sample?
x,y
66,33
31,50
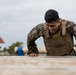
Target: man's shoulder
x,y
68,23
38,30
39,26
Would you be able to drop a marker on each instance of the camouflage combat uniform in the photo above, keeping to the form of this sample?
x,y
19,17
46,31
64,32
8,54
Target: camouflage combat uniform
x,y
56,45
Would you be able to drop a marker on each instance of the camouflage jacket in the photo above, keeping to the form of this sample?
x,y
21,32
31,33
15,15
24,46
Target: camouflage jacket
x,y
38,31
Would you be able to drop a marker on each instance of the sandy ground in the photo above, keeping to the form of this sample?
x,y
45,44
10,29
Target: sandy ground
x,y
41,65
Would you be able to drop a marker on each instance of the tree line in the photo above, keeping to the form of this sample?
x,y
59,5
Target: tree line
x,y
10,49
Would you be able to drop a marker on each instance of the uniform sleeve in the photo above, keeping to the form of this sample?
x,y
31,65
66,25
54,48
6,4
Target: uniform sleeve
x,y
33,35
71,28
74,31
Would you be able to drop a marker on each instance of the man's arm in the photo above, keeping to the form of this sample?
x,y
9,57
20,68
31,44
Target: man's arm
x,y
74,31
35,33
71,28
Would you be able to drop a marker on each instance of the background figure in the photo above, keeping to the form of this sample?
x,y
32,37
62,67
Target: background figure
x,y
19,51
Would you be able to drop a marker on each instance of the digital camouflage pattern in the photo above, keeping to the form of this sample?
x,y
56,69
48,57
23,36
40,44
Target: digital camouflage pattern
x,y
38,31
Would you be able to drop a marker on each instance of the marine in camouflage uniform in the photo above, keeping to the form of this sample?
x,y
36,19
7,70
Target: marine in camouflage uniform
x,y
58,44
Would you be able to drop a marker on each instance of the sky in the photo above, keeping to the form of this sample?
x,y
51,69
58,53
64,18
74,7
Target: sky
x,y
18,17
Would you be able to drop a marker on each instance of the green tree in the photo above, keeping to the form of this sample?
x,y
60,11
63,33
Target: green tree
x,y
11,48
